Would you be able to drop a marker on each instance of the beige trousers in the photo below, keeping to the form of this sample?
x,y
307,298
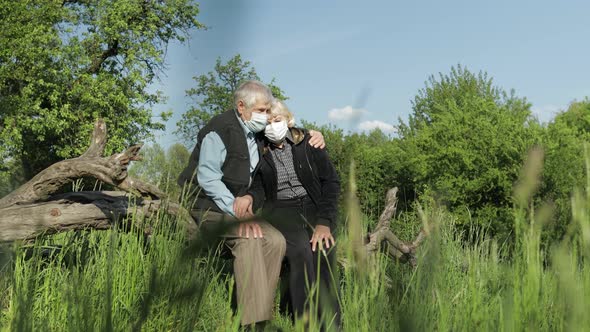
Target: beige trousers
x,y
257,264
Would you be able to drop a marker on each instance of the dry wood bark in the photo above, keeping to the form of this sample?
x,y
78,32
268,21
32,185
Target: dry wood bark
x,y
383,238
32,209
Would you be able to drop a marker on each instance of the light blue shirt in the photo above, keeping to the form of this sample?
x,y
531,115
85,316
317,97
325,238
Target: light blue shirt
x,y
211,158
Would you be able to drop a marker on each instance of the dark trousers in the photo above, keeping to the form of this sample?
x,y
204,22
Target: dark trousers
x,y
295,219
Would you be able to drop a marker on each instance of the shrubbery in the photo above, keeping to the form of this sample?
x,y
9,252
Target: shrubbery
x,y
464,144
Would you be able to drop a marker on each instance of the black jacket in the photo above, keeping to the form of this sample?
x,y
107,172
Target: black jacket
x,y
315,172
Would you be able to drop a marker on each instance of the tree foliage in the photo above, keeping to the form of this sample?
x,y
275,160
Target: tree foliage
x,y
65,63
466,140
565,140
11,176
214,94
379,164
161,167
577,117
464,143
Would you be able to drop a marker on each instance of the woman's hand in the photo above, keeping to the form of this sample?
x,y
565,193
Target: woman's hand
x,y
321,233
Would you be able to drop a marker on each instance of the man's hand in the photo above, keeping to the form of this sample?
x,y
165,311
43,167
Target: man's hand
x,y
321,233
250,227
243,207
316,139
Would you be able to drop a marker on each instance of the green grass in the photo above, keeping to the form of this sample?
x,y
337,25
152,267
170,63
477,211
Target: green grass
x,y
120,281
113,281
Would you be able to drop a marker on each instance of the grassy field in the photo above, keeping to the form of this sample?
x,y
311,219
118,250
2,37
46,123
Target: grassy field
x,y
120,281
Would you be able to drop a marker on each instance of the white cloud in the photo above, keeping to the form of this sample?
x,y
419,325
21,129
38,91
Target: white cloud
x,y
370,125
545,113
346,113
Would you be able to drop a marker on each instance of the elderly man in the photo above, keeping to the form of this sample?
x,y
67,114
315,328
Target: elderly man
x,y
224,160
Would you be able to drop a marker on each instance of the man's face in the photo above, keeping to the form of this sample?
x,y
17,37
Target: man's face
x,y
262,107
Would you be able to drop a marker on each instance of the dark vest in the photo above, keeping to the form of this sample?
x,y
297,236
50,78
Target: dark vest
x,y
236,167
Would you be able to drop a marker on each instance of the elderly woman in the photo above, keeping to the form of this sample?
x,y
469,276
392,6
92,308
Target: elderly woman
x,y
299,187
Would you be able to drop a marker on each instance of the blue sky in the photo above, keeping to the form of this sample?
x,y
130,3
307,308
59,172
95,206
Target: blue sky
x,y
368,59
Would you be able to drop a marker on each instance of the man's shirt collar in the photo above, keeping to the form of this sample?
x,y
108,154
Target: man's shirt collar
x,y
246,130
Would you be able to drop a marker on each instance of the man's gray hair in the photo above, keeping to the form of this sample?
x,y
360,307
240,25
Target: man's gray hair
x,y
252,91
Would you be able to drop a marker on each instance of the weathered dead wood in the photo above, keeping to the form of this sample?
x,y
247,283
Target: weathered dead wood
x,y
79,210
383,238
111,170
31,210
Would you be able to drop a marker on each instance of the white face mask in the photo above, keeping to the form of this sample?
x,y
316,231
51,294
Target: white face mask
x,y
257,122
276,131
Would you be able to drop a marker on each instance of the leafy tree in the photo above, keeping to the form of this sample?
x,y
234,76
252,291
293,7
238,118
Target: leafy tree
x,y
160,167
214,94
335,144
466,139
564,170
11,175
65,63
379,165
577,117
379,162
153,165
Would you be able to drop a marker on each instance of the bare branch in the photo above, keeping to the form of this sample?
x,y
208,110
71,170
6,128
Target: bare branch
x,y
98,140
389,210
112,50
383,238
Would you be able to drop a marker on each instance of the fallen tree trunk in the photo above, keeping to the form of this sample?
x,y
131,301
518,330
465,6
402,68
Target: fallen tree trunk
x,y
33,210
78,211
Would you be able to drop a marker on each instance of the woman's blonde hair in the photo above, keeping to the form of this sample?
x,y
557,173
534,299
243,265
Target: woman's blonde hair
x,y
279,108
